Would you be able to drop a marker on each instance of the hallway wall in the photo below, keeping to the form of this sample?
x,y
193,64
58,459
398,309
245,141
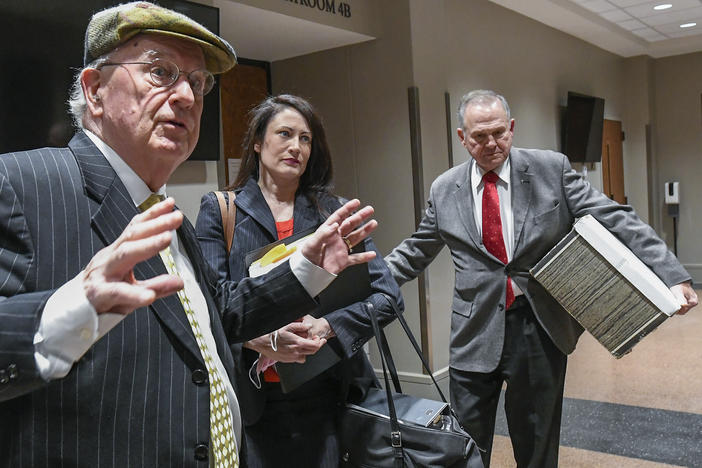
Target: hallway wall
x,y
677,127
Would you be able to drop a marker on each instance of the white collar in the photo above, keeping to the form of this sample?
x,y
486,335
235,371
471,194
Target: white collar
x,y
136,187
502,172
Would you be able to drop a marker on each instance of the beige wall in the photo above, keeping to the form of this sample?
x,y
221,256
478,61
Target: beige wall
x,y
678,146
189,182
636,94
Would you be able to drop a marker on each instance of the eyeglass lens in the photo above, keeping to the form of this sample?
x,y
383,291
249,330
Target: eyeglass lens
x,y
165,73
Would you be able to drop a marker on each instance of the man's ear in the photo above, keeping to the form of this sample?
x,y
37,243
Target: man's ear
x,y
90,82
461,136
511,125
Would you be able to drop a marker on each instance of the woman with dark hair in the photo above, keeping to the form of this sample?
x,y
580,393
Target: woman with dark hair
x,y
284,188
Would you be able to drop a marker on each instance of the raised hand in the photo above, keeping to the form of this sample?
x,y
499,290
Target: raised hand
x,y
329,247
108,279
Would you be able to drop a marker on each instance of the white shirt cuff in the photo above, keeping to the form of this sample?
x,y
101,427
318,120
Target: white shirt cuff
x,y
313,278
69,326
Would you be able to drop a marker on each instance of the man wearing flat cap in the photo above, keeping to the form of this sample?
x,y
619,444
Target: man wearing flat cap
x,y
114,346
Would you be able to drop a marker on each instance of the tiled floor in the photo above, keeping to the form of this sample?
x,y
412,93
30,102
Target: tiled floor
x,y
570,457
643,410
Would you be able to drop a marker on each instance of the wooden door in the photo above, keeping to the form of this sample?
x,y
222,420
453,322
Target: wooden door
x,y
242,88
613,161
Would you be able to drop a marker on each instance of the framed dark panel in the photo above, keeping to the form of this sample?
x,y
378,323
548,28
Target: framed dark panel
x,y
582,133
242,88
38,70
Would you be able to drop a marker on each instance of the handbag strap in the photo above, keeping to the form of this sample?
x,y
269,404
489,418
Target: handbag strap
x,y
391,364
409,334
395,434
228,210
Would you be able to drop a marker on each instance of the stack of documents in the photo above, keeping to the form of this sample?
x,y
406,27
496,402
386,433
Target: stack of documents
x,y
605,287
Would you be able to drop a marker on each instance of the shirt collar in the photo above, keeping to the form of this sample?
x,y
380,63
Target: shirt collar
x,y
137,188
501,171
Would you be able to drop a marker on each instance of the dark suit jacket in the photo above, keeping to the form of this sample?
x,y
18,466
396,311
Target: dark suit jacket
x,y
131,400
547,196
255,227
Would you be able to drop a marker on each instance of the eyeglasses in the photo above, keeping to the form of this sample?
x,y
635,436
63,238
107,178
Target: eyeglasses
x,y
165,73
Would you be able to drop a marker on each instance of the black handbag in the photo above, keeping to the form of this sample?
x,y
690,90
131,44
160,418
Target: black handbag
x,y
372,435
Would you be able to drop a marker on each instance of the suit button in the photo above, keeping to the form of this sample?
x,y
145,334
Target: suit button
x,y
14,372
201,452
3,376
199,376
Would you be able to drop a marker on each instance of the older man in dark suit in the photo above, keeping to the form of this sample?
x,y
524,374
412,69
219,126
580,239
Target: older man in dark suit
x,y
114,342
499,213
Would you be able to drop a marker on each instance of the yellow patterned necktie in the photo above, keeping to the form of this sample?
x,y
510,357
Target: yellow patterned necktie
x,y
221,430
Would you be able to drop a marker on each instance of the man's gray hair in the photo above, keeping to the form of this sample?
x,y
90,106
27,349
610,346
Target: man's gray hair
x,y
76,99
481,96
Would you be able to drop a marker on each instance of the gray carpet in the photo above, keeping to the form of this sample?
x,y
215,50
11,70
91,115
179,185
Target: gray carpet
x,y
631,431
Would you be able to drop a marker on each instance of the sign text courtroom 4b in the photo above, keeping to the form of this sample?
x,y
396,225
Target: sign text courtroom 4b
x,y
327,6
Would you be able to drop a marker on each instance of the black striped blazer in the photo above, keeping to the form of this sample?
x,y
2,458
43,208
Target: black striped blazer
x,y
255,228
131,400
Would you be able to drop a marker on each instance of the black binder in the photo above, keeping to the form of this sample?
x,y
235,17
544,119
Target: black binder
x,y
350,286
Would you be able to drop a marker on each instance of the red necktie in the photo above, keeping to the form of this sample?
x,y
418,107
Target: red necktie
x,y
492,226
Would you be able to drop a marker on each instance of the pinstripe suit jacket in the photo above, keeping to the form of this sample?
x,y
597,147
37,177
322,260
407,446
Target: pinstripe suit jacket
x,y
131,399
255,227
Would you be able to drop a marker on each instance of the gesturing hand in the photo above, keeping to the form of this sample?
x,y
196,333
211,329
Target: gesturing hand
x,y
109,280
329,246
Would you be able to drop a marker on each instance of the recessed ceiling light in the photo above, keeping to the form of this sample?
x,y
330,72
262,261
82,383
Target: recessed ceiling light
x,y
688,25
663,6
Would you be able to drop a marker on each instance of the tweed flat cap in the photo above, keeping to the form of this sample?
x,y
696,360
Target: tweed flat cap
x,y
113,26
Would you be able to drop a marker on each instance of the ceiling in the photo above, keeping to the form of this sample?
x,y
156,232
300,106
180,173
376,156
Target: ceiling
x,y
624,27
262,34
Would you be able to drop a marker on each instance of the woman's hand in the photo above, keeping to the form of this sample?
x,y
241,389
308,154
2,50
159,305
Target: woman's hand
x,y
319,327
292,344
